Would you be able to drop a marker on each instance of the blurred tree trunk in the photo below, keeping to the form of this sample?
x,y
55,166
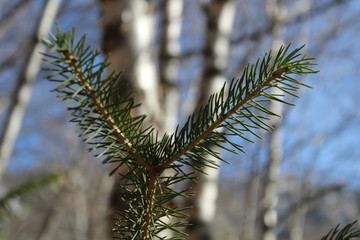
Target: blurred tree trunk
x,y
171,22
116,27
251,202
297,222
220,16
269,215
23,88
278,15
145,71
53,218
129,36
169,60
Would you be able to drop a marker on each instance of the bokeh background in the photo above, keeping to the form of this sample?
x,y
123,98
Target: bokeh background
x,y
295,184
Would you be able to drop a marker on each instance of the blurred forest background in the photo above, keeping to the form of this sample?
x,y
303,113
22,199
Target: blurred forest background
x,y
297,183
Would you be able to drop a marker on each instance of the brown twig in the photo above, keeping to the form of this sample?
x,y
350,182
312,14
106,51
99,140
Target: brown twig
x,y
149,211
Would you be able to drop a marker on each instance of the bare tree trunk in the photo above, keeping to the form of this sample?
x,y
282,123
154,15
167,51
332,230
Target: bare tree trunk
x,y
269,215
116,27
251,203
129,31
278,16
115,20
172,11
53,218
220,17
145,71
23,89
78,189
297,223
169,64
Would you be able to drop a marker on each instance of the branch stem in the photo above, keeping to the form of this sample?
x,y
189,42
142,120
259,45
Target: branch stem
x,y
149,211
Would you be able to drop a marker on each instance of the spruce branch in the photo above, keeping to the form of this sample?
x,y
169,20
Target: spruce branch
x,y
235,110
104,116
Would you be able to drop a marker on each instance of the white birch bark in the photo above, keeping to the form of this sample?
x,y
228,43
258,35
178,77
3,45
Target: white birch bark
x,y
297,223
24,86
145,70
208,196
215,64
251,204
170,63
80,202
270,196
132,49
279,16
